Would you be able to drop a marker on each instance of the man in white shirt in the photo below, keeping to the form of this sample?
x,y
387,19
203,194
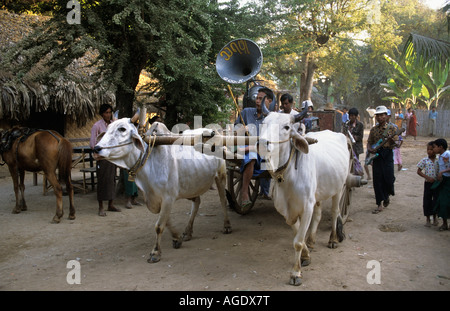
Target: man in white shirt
x,y
287,101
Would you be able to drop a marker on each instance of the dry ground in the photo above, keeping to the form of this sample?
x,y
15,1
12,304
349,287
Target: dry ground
x,y
258,255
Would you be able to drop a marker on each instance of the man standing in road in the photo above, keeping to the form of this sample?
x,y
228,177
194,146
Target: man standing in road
x,y
383,164
432,116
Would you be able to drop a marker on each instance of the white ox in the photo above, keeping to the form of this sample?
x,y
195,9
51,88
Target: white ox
x,y
301,181
171,172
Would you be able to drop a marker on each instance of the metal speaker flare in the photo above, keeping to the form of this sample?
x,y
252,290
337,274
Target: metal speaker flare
x,y
239,61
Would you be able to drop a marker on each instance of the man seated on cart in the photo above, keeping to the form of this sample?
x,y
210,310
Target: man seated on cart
x,y
251,164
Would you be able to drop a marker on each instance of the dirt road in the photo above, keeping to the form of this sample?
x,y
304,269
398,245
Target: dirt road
x,y
112,251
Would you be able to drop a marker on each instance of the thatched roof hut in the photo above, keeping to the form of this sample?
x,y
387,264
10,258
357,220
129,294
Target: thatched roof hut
x,y
20,100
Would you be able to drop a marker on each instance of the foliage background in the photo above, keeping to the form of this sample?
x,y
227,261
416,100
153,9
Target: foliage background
x,y
343,43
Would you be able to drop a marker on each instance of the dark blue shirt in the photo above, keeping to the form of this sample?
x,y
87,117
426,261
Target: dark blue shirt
x,y
251,119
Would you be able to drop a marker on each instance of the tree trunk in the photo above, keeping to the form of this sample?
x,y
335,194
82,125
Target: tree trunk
x,y
326,87
125,93
124,102
307,77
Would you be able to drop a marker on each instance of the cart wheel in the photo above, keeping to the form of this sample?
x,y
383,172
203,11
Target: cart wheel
x,y
344,203
346,196
234,186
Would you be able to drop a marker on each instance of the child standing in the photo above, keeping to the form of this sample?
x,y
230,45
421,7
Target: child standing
x,y
427,168
397,154
443,181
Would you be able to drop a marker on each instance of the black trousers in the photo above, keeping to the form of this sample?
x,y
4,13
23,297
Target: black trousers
x,y
106,183
429,199
383,175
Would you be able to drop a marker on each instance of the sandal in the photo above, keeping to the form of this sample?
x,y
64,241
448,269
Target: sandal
x,y
245,204
113,209
443,228
377,210
386,203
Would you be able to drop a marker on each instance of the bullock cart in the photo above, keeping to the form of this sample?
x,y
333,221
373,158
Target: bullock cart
x,y
234,186
316,121
225,147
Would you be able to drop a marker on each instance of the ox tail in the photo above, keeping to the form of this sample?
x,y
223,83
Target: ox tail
x,y
64,159
340,229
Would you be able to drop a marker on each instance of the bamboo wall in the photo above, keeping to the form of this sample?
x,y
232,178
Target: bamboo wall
x,y
442,123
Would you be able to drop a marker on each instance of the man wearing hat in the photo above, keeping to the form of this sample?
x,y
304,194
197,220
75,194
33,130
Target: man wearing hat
x,y
383,164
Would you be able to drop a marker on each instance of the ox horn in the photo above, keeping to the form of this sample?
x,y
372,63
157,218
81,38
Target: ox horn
x,y
301,115
264,108
136,116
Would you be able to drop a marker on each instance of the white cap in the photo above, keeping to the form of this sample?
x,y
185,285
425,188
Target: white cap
x,y
307,103
381,109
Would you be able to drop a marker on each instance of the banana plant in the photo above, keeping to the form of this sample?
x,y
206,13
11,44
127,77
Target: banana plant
x,y
420,74
435,80
406,84
430,57
397,94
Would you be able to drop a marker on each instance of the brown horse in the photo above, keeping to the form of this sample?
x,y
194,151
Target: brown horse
x,y
38,150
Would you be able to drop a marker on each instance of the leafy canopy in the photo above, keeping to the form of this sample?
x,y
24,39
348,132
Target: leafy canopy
x,y
175,40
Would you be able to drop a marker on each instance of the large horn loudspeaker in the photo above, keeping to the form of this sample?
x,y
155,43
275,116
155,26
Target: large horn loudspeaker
x,y
239,61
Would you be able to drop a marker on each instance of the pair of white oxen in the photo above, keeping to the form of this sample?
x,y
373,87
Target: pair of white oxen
x,y
319,173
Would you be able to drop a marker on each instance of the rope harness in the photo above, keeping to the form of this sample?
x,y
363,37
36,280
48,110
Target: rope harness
x,y
143,157
139,163
117,146
278,175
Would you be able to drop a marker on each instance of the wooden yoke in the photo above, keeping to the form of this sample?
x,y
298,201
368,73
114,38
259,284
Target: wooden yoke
x,y
215,145
192,140
214,140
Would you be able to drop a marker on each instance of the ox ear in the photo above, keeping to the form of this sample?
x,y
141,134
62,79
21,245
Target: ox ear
x,y
300,128
137,141
300,143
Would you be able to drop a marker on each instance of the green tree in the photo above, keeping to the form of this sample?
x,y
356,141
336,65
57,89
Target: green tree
x,y
387,34
304,30
21,6
127,36
174,40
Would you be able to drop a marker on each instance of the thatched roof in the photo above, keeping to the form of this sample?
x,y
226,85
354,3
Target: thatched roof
x,y
79,102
